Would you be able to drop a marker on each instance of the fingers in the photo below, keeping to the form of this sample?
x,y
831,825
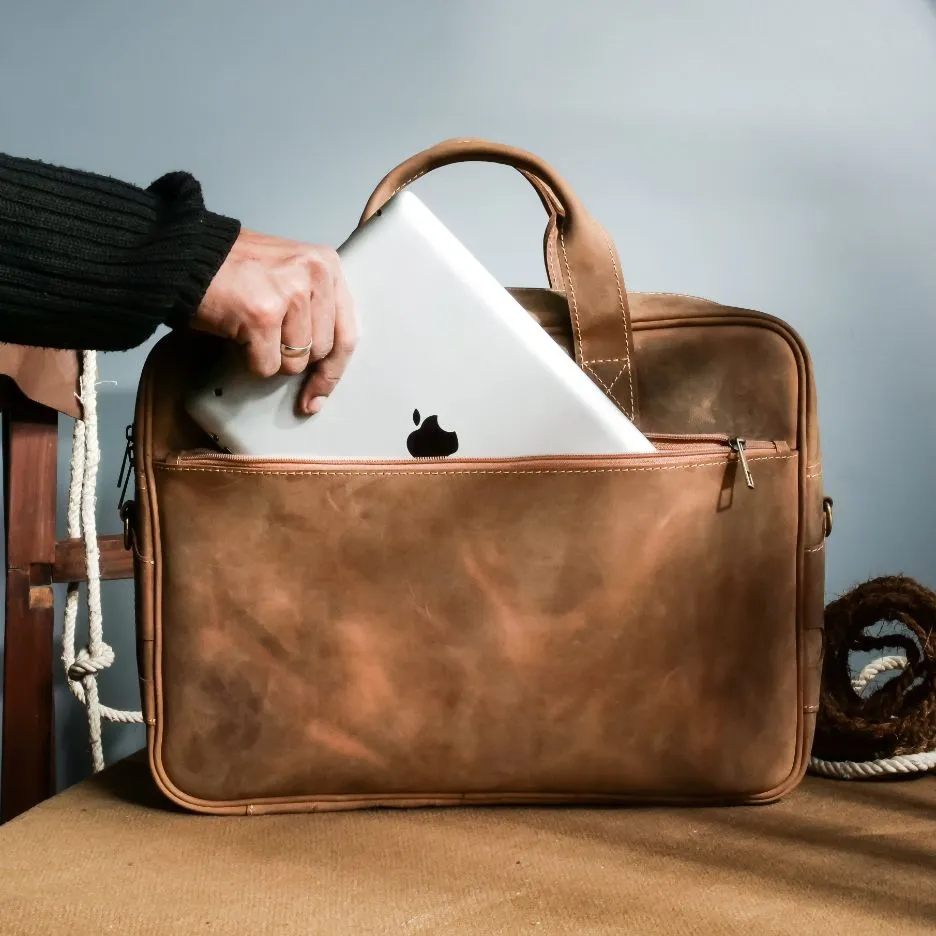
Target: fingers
x,y
310,318
330,369
300,314
296,331
322,271
271,292
261,338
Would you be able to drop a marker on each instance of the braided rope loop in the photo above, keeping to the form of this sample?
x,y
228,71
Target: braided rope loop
x,y
82,667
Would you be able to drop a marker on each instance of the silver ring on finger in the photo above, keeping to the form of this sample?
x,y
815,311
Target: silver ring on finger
x,y
294,351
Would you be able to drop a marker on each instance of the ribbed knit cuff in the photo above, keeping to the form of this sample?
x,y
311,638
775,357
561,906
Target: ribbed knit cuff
x,y
216,236
87,261
200,241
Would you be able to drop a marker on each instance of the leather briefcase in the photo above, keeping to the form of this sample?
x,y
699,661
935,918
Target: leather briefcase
x,y
629,628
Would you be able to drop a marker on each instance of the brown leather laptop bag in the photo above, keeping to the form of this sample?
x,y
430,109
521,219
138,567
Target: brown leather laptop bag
x,y
632,628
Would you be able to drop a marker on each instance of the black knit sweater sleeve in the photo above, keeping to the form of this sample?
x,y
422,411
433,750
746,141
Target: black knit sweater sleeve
x,y
89,262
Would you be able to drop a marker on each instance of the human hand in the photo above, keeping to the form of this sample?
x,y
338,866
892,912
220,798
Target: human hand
x,y
289,305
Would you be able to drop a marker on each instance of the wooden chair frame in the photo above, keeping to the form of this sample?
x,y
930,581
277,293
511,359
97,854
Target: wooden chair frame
x,y
35,560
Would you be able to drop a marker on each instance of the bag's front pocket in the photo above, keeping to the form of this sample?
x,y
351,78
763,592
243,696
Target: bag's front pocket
x,y
545,628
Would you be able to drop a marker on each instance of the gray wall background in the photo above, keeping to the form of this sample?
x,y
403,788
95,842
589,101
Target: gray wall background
x,y
777,156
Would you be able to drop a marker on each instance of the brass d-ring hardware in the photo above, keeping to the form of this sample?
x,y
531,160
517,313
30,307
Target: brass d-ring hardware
x,y
827,514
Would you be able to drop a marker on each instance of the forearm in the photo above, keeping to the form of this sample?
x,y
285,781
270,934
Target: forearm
x,y
90,262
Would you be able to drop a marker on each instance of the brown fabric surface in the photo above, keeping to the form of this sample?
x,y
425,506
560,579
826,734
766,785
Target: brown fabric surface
x,y
47,376
110,856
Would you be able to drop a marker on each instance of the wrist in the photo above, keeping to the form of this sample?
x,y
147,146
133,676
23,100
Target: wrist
x,y
216,237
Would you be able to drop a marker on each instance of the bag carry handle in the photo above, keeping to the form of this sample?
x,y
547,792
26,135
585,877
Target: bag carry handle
x,y
580,258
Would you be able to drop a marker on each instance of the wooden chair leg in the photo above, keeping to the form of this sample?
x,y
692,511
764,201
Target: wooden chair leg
x,y
29,457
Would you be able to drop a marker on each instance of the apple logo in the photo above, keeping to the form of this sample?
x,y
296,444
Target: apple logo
x,y
430,440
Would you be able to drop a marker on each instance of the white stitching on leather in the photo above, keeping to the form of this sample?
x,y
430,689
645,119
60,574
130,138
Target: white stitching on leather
x,y
617,377
579,353
607,388
461,471
409,181
554,276
578,331
617,279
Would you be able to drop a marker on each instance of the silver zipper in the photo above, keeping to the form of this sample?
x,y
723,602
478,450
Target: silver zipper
x,y
737,445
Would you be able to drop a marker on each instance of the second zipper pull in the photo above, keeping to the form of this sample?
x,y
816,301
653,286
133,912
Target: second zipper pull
x,y
737,445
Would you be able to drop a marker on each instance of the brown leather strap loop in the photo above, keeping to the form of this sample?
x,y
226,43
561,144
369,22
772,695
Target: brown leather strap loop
x,y
555,210
580,258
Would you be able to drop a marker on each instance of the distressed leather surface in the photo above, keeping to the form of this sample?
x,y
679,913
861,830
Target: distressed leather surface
x,y
406,647
619,629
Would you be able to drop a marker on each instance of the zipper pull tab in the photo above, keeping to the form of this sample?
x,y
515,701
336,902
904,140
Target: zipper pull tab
x,y
126,467
737,445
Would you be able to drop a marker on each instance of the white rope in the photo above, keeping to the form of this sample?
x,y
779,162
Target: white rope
x,y
854,770
885,766
875,669
83,667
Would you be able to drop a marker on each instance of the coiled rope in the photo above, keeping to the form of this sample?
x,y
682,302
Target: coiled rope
x,y
876,724
83,667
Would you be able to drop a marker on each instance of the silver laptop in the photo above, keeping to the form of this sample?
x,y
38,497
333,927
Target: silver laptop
x,y
447,364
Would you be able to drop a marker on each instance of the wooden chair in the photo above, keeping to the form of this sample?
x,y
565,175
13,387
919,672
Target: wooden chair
x,y
36,387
